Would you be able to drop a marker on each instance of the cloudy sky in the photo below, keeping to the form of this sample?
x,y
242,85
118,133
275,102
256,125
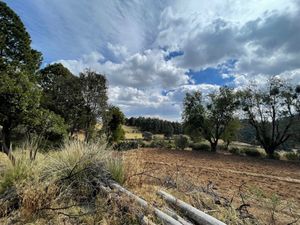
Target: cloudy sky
x,y
152,52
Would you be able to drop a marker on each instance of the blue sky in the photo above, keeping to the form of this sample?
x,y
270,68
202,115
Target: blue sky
x,y
153,52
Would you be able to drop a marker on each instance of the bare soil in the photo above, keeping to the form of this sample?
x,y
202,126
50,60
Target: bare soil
x,y
261,178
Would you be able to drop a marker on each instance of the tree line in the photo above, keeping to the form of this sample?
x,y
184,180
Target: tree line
x,y
51,101
272,112
155,125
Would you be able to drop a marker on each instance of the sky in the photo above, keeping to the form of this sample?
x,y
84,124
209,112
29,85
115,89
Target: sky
x,y
153,52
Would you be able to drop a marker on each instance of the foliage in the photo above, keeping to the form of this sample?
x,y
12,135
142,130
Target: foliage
x,y
209,119
126,145
93,89
265,109
200,147
182,141
19,98
19,95
155,125
235,150
292,156
50,126
113,124
147,136
62,95
230,132
16,52
251,152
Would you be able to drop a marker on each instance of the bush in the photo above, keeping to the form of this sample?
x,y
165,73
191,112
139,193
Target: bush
x,y
252,152
181,142
292,156
234,150
276,155
200,147
147,136
126,145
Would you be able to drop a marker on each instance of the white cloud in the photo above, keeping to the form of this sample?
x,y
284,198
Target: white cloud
x,y
123,40
142,70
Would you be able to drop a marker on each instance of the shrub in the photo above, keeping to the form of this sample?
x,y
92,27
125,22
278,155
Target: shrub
x,y
276,155
181,142
292,156
126,145
234,150
252,152
200,147
147,136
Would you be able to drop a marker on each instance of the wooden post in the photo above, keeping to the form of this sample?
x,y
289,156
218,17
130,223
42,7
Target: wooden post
x,y
195,214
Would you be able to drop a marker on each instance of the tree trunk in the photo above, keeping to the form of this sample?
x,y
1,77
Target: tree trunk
x,y
270,151
6,141
213,146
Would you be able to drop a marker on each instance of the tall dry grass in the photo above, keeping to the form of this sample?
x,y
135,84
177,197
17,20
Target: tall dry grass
x,y
60,185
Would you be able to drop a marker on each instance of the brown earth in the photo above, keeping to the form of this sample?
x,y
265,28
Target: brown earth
x,y
261,179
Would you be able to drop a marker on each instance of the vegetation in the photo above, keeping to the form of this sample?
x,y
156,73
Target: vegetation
x,y
113,124
212,119
19,95
181,141
266,110
155,126
200,147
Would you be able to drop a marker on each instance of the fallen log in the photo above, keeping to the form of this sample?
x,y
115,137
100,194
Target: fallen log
x,y
161,215
176,216
195,214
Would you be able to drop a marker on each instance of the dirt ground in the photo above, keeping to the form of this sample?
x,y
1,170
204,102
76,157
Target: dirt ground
x,y
272,186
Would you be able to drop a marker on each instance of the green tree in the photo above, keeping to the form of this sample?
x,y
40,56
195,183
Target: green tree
x,y
93,88
230,132
62,95
19,94
168,130
209,119
271,111
15,50
113,126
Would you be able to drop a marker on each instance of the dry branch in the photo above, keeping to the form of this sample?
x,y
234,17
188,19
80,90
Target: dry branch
x,y
195,214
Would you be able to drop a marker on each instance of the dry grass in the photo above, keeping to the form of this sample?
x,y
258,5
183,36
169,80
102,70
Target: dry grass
x,y
132,132
62,187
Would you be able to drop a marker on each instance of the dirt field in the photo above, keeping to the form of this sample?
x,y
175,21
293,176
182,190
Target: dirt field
x,y
271,187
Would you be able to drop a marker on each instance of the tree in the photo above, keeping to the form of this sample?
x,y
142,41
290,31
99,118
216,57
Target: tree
x,y
93,88
19,94
231,131
168,130
209,119
271,111
19,97
113,126
15,50
62,95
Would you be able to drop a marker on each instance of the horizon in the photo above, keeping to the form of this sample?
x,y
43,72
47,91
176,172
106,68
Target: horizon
x,y
153,53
